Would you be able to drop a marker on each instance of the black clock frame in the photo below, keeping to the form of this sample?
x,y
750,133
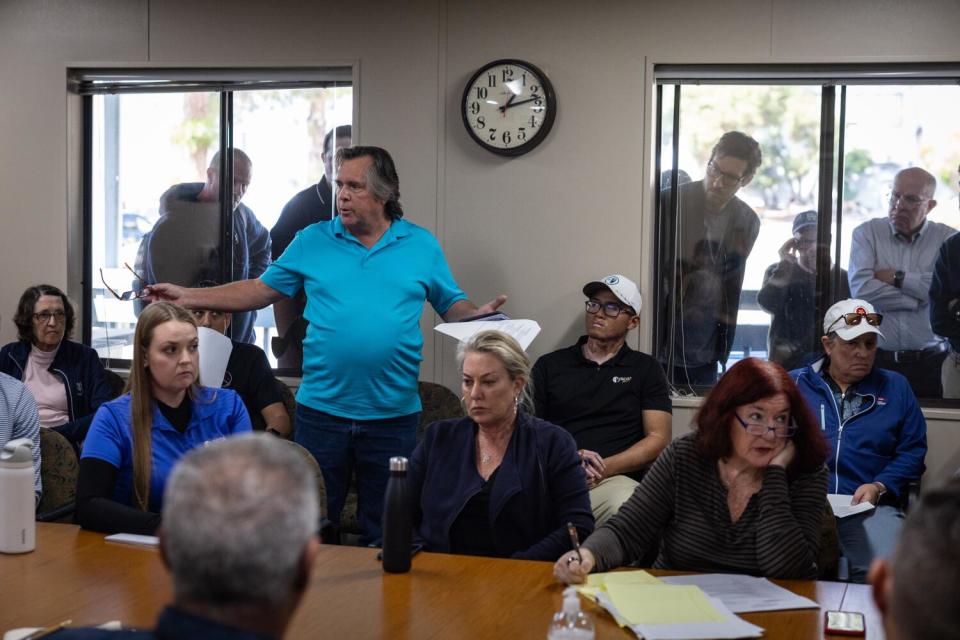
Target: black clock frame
x,y
549,97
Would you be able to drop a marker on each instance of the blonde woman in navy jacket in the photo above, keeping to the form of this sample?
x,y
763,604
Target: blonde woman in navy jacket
x,y
876,434
499,482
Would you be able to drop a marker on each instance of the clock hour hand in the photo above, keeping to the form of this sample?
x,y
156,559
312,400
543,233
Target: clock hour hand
x,y
517,104
504,108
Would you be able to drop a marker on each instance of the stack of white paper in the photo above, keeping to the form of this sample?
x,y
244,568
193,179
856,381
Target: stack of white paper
x,y
743,594
658,611
841,505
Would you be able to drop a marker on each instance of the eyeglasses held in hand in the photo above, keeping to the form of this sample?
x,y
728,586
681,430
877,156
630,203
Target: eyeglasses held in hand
x,y
757,429
610,309
126,295
853,319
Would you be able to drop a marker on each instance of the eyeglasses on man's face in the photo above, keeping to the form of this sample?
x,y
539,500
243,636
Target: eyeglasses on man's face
x,y
782,429
728,179
905,200
610,309
126,295
45,317
853,319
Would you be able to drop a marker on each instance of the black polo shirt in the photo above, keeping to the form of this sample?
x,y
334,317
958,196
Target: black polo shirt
x,y
600,405
249,374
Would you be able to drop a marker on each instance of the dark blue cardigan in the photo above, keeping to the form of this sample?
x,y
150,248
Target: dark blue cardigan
x,y
539,487
79,368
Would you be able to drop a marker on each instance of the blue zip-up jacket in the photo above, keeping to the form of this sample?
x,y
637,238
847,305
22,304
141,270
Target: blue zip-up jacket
x,y
79,368
886,441
539,487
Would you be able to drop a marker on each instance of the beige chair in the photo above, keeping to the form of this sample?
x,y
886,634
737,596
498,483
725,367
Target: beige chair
x,y
59,470
439,403
321,486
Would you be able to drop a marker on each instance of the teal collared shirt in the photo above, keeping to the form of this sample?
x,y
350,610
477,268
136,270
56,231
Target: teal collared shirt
x,y
362,353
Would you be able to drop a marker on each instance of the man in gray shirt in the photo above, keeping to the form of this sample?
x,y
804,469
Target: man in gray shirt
x,y
708,243
891,266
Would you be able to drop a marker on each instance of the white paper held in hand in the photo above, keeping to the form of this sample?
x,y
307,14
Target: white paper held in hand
x,y
842,508
523,331
215,349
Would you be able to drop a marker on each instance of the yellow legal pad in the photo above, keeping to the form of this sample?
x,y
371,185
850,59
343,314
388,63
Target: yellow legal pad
x,y
640,598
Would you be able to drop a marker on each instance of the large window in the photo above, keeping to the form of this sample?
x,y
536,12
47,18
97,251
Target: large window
x,y
753,256
157,210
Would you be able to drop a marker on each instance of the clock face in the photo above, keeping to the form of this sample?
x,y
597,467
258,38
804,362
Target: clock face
x,y
509,107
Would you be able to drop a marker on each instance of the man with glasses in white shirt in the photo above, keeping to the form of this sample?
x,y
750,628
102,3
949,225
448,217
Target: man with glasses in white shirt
x,y
710,239
891,266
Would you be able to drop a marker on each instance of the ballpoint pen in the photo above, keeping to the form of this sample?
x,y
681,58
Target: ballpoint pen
x,y
575,540
43,633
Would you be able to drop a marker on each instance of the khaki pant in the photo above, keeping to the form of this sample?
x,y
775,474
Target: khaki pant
x,y
950,376
606,497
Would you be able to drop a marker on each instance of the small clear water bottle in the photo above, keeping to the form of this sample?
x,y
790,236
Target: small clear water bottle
x,y
570,623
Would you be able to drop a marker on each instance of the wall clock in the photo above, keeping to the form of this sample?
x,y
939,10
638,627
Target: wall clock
x,y
508,107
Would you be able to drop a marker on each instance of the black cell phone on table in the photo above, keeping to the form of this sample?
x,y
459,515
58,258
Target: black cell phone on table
x,y
414,550
844,623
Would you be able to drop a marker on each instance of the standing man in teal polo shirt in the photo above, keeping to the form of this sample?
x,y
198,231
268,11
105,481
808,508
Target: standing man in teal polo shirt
x,y
366,275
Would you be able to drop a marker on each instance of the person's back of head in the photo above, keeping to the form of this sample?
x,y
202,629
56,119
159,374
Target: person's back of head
x,y
916,590
239,528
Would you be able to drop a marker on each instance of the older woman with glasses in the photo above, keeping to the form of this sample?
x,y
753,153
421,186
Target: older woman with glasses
x,y
743,493
884,433
66,378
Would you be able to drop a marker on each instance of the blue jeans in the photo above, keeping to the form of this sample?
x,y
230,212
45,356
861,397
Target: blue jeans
x,y
342,446
869,535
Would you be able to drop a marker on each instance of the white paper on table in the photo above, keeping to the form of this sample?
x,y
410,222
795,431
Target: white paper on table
x,y
730,627
523,331
23,632
215,349
743,594
842,508
134,538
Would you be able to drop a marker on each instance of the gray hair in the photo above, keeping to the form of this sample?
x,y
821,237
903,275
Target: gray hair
x,y
926,566
237,517
508,351
382,179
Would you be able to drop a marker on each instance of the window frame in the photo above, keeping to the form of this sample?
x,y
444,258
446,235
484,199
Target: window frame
x,y
830,78
87,82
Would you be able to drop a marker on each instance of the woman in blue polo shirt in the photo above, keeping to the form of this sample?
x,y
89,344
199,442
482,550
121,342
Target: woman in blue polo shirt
x,y
135,440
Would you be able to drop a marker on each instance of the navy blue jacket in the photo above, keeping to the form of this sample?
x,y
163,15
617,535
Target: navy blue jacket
x,y
886,441
539,487
83,378
173,624
944,290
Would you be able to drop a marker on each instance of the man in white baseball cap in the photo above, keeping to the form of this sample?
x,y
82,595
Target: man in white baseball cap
x,y
884,434
612,399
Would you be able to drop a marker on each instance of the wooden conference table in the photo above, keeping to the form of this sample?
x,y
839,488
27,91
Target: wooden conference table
x,y
76,575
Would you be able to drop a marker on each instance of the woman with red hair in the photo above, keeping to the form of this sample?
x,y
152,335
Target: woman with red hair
x,y
743,493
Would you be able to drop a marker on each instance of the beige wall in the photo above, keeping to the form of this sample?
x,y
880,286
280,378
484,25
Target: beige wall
x,y
535,227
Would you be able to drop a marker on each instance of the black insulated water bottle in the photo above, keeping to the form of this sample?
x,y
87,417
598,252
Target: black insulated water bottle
x,y
396,519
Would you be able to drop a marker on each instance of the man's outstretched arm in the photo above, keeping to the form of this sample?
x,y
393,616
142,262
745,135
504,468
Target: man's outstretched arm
x,y
243,295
